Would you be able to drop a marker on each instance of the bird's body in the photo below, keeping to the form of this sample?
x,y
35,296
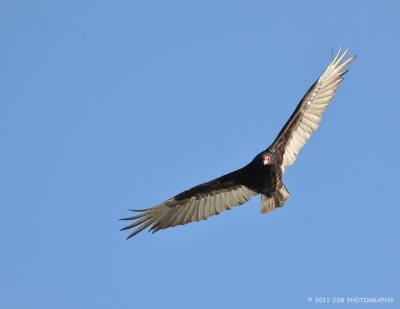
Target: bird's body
x,y
263,175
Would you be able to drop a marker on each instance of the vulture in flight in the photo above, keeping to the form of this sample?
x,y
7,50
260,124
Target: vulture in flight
x,y
263,175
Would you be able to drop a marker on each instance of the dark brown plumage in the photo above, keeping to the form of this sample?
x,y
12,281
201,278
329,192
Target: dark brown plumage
x,y
263,175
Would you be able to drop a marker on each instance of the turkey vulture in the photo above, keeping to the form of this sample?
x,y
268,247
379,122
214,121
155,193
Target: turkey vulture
x,y
263,175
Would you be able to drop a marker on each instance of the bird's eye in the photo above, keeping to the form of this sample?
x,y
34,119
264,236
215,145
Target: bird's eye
x,y
267,159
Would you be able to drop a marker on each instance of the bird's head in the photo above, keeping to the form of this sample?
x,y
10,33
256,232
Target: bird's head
x,y
266,159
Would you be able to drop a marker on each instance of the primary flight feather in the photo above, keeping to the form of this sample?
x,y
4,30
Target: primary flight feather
x,y
263,175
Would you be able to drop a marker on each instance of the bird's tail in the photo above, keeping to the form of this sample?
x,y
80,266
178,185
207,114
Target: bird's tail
x,y
269,204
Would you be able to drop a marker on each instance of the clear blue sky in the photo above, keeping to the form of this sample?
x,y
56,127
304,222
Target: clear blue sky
x,y
110,105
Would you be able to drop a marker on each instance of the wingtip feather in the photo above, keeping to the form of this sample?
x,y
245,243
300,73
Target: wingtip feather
x,y
136,223
138,210
341,57
133,217
337,55
139,229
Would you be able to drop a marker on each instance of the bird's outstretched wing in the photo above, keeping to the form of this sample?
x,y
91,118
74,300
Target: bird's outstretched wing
x,y
195,204
307,116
